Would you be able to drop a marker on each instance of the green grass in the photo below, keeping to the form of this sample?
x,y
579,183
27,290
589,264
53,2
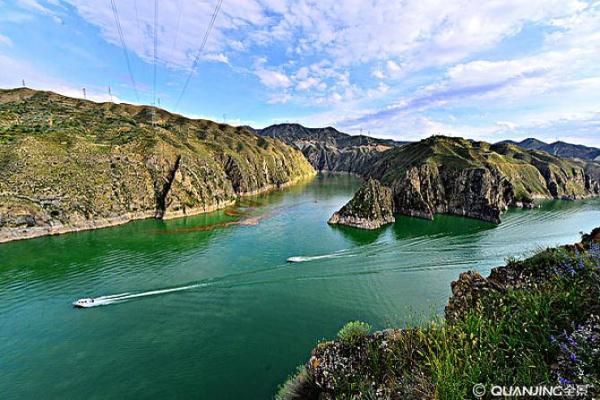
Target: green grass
x,y
353,332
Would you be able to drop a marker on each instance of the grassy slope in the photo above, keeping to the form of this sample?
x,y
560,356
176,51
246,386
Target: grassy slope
x,y
521,167
66,160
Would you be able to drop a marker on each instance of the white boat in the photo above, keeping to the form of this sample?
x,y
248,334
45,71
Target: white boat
x,y
84,303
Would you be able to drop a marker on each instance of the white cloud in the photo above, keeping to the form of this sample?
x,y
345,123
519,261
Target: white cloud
x,y
220,57
307,83
272,78
280,98
393,68
5,40
378,73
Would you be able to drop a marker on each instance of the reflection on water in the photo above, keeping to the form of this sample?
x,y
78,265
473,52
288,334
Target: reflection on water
x,y
218,301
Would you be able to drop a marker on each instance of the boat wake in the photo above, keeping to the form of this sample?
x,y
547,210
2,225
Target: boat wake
x,y
119,298
299,259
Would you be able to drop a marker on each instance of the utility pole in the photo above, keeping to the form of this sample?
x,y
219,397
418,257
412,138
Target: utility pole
x,y
110,94
84,95
23,81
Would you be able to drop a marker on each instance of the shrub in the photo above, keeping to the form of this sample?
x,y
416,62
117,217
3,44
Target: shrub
x,y
353,332
262,142
298,386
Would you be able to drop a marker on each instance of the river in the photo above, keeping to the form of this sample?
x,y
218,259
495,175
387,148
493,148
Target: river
x,y
220,313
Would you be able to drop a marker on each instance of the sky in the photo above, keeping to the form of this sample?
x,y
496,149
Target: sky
x,y
487,70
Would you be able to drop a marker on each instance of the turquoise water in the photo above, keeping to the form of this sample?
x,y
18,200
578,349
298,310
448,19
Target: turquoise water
x,y
244,317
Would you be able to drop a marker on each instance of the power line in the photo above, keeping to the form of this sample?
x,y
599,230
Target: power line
x,y
200,50
137,19
178,25
154,62
155,49
123,46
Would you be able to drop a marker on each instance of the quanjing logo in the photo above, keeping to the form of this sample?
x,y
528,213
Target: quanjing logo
x,y
479,390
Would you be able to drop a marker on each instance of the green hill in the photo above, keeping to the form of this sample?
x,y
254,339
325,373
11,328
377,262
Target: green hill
x,y
68,164
476,179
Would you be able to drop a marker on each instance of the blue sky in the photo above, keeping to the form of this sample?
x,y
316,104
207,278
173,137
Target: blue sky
x,y
487,70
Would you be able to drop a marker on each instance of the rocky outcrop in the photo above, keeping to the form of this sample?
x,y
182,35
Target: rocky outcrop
x,y
476,179
428,189
370,208
68,164
389,364
328,149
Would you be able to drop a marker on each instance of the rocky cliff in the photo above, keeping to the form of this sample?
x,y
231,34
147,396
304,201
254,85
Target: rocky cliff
x,y
476,179
328,149
68,164
370,208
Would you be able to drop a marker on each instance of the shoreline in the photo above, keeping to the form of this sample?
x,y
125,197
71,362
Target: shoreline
x,y
17,234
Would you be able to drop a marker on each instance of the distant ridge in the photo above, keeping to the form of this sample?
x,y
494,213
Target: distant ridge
x,y
327,134
560,149
328,149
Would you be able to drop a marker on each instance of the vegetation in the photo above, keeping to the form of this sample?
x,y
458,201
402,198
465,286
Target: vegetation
x,y
532,174
69,162
353,332
533,322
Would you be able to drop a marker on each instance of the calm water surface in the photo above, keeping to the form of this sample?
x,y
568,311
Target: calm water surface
x,y
247,317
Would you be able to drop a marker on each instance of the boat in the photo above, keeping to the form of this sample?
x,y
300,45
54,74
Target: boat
x,y
84,303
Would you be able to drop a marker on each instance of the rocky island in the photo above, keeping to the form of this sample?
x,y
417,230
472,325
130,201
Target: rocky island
x,y
68,164
477,179
371,208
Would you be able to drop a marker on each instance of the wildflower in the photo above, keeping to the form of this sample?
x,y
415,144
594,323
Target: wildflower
x,y
573,357
564,381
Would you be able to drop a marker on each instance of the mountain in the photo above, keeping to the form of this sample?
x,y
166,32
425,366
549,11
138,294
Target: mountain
x,y
69,164
560,149
476,179
328,149
563,149
530,143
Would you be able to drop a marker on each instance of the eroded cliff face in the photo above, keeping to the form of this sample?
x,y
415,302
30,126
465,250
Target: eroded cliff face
x,y
370,208
476,179
429,189
68,165
354,160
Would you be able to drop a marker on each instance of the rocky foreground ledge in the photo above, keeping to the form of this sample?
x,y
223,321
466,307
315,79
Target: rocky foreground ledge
x,y
370,208
532,322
